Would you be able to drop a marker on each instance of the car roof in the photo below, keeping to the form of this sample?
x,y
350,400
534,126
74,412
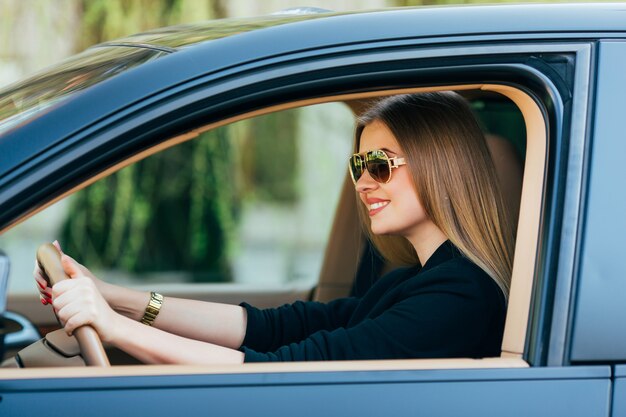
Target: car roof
x,y
428,21
164,58
303,29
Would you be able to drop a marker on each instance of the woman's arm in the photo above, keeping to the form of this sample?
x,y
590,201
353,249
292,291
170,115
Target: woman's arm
x,y
219,324
151,345
78,302
439,316
271,328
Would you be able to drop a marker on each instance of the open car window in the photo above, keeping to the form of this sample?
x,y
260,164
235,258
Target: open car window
x,y
265,240
247,203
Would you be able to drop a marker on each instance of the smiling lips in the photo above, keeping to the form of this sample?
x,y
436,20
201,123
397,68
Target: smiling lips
x,y
376,205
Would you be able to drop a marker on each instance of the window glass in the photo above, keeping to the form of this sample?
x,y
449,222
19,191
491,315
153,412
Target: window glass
x,y
20,102
251,202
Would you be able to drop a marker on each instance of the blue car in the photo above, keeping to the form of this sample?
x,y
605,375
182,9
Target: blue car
x,y
546,81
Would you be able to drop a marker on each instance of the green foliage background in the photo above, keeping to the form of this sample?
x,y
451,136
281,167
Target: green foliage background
x,y
177,210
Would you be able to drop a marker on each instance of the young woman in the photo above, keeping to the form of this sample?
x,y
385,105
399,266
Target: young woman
x,y
429,198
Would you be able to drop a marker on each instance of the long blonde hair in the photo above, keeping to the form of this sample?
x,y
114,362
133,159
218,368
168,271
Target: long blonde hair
x,y
454,177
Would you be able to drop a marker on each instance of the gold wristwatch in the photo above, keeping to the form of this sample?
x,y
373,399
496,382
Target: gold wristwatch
x,y
152,309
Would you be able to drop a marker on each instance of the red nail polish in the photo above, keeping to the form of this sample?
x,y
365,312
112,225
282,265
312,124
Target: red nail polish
x,y
42,286
45,294
43,301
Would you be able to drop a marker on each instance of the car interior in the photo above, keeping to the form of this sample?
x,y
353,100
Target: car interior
x,y
516,133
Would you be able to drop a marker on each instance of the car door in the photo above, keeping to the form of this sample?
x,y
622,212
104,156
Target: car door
x,y
555,75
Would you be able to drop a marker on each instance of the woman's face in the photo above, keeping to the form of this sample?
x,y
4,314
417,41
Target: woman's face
x,y
394,208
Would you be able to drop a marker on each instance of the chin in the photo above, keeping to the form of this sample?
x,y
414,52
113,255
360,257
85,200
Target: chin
x,y
381,230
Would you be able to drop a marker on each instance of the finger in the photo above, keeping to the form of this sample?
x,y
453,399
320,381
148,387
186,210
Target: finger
x,y
63,295
41,280
41,285
43,288
63,292
37,271
82,267
71,267
71,324
68,311
77,320
72,291
43,300
57,245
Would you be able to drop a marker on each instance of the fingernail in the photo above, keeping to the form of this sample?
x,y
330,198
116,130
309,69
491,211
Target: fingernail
x,y
47,295
44,302
42,286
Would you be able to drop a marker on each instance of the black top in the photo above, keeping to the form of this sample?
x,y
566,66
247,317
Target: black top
x,y
449,308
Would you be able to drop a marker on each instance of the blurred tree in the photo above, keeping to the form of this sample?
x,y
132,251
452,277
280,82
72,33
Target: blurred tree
x,y
110,19
173,211
269,157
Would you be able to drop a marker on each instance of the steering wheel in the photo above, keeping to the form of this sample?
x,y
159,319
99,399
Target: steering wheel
x,y
49,260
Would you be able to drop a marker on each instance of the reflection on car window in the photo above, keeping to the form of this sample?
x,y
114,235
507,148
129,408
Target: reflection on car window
x,y
229,206
24,100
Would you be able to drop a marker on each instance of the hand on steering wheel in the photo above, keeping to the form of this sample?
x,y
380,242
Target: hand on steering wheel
x,y
45,290
78,302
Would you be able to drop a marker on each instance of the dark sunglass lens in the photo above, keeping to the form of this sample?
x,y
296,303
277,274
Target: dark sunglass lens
x,y
356,167
378,166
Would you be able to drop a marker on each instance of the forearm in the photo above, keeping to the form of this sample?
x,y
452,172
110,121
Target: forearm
x,y
125,301
114,312
220,324
151,345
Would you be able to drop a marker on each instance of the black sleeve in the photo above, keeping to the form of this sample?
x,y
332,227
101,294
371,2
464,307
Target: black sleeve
x,y
447,318
269,329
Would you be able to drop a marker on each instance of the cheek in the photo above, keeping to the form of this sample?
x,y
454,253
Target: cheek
x,y
413,207
408,202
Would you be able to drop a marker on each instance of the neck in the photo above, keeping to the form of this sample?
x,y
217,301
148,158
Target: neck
x,y
426,241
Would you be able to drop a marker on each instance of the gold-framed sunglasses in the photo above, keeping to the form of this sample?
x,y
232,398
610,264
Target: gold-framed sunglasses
x,y
377,163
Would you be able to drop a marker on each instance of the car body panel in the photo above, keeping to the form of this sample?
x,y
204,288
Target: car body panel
x,y
579,391
599,311
619,392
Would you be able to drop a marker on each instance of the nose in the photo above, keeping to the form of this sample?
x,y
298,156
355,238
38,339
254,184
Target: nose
x,y
366,183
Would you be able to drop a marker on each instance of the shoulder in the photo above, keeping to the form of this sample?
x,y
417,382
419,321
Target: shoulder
x,y
460,276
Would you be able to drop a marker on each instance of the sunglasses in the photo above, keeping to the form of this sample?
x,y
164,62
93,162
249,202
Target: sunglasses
x,y
377,163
